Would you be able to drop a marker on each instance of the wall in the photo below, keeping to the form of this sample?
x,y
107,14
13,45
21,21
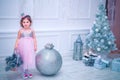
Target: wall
x,y
54,21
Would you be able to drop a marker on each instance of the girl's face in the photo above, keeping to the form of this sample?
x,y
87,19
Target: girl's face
x,y
26,23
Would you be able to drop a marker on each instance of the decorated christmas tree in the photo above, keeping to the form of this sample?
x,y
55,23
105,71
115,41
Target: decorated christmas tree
x,y
100,39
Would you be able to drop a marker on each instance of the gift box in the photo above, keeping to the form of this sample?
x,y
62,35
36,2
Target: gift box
x,y
100,63
115,66
89,60
107,62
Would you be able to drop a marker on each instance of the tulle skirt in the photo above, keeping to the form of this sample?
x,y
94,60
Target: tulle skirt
x,y
26,51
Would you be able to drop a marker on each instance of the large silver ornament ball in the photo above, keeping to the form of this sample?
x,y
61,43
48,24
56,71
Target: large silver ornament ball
x,y
48,60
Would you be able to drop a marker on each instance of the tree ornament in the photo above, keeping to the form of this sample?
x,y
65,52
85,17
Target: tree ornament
x,y
48,60
102,40
98,49
109,42
96,30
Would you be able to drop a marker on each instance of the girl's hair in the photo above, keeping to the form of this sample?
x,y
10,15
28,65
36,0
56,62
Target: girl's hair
x,y
24,17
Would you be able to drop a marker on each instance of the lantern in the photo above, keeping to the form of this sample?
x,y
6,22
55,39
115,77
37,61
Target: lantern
x,y
78,48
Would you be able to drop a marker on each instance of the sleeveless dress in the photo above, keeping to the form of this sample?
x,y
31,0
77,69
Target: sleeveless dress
x,y
26,49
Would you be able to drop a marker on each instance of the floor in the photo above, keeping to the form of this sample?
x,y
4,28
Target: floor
x,y
70,70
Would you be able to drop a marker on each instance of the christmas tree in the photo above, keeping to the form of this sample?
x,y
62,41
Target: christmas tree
x,y
100,39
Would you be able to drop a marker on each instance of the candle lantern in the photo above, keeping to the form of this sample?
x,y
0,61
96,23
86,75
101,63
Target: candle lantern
x,y
78,48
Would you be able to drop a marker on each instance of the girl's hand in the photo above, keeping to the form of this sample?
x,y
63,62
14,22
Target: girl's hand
x,y
15,48
16,51
35,49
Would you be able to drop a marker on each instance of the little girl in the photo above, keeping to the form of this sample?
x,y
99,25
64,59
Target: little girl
x,y
26,45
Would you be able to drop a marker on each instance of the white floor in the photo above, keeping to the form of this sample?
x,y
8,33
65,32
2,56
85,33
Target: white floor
x,y
71,70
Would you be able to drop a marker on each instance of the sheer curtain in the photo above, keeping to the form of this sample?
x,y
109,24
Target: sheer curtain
x,y
113,12
110,5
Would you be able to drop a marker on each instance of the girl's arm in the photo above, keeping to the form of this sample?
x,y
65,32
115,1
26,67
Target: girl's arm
x,y
35,41
17,40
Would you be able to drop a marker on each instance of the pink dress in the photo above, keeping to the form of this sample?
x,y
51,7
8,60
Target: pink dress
x,y
26,49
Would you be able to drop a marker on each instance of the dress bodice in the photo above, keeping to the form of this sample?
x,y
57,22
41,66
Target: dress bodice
x,y
26,34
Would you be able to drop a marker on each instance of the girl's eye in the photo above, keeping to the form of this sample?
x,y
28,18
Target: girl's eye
x,y
25,22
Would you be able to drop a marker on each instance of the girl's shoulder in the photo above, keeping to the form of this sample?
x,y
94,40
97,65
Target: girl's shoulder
x,y
21,30
32,30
